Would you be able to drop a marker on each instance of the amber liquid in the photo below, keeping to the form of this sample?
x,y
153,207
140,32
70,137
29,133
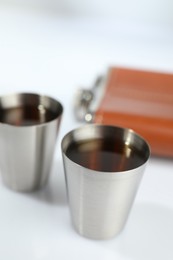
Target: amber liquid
x,y
105,155
26,115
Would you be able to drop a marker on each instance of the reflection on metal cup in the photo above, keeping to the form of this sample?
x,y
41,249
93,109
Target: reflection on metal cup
x,y
29,125
103,168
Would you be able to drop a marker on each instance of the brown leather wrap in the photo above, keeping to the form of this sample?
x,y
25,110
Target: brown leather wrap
x,y
143,101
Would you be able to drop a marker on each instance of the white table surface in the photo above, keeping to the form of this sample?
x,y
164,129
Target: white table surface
x,y
41,52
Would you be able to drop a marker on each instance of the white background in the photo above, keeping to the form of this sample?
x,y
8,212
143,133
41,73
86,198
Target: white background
x,y
53,47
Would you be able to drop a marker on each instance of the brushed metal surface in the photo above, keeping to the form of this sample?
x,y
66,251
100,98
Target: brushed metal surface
x,y
100,202
26,152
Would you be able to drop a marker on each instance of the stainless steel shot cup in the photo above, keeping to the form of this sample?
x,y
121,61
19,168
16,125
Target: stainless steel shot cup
x,y
29,125
100,197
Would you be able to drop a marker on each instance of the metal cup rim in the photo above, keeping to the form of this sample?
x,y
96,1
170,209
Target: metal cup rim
x,y
129,172
36,95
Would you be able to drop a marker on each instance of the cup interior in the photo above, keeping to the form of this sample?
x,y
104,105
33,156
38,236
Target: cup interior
x,y
28,109
105,148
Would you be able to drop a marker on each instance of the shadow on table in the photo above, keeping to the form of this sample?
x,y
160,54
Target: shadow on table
x,y
55,191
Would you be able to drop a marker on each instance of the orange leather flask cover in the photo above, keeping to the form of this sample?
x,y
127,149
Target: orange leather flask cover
x,y
143,101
